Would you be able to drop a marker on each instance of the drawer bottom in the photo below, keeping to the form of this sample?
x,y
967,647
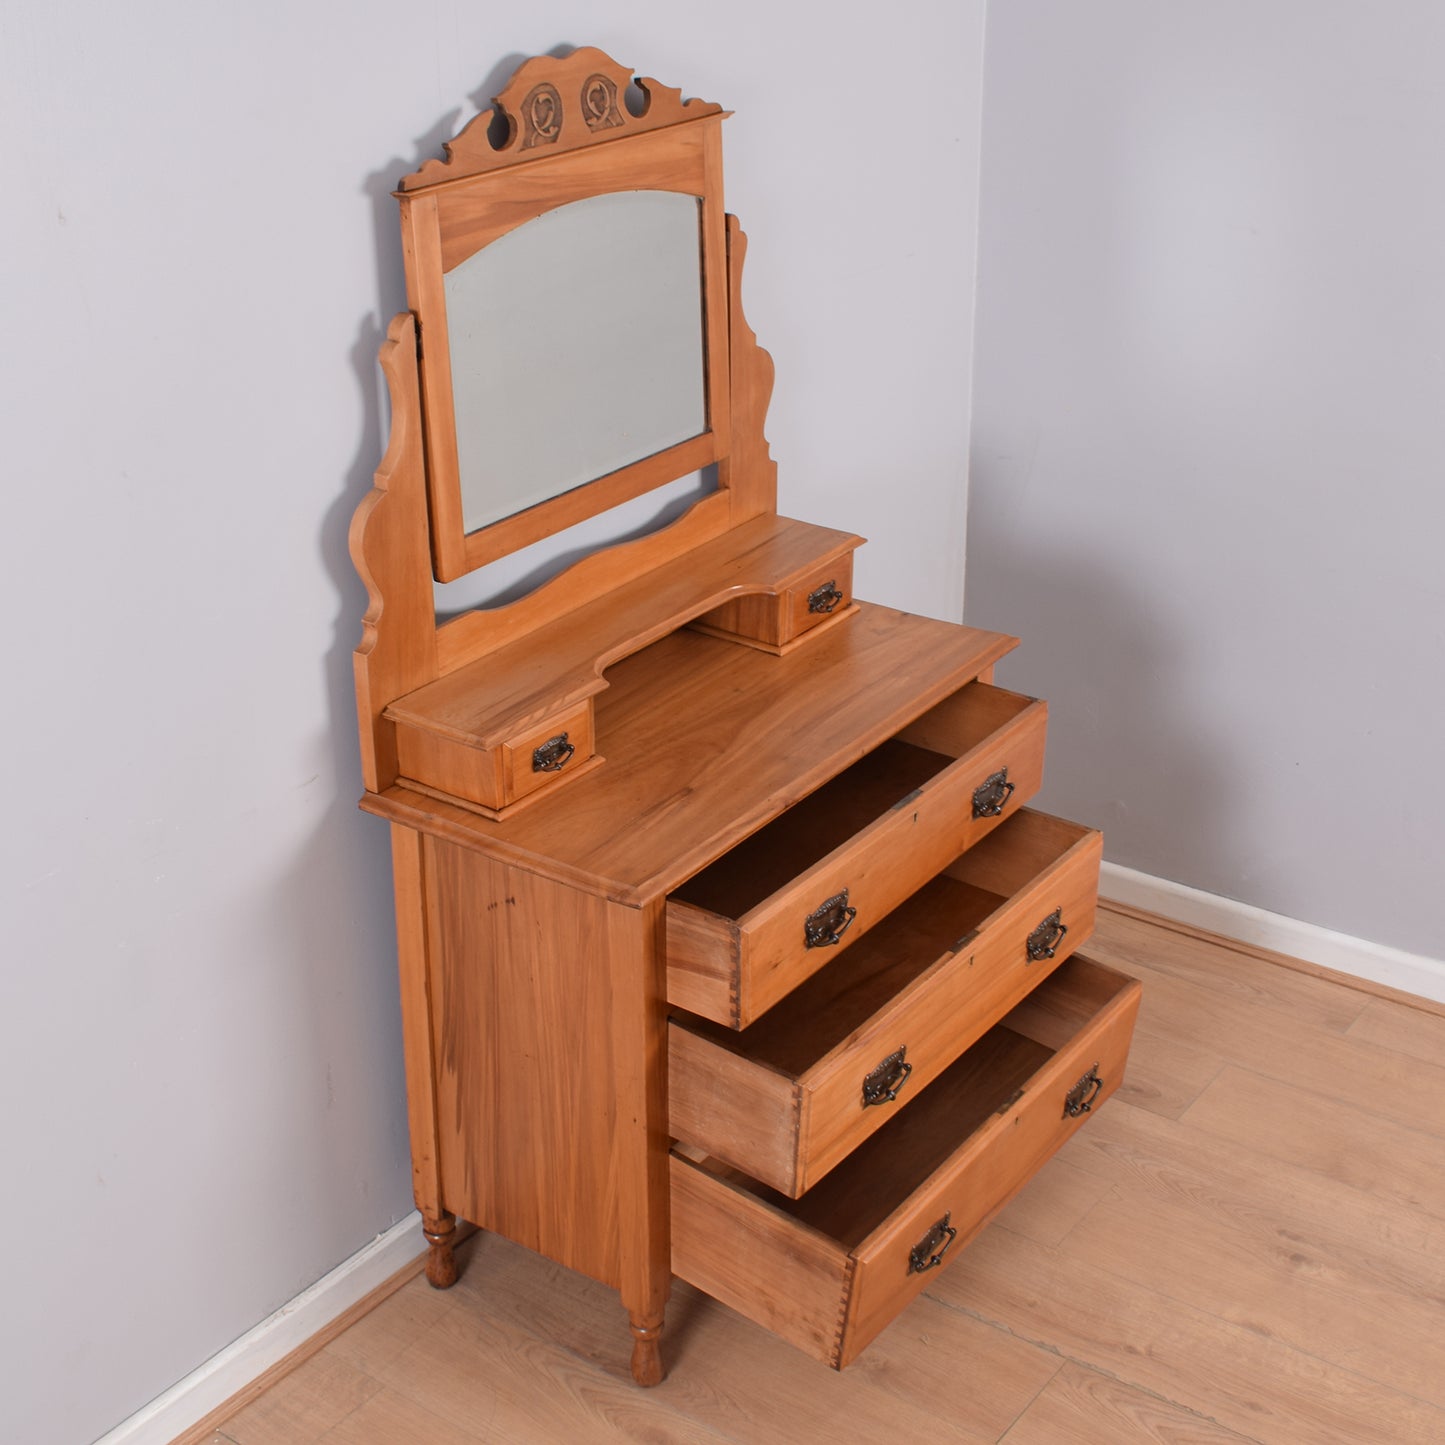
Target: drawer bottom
x,y
829,1270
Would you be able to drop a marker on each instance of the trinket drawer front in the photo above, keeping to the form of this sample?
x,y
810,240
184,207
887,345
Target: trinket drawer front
x,y
783,997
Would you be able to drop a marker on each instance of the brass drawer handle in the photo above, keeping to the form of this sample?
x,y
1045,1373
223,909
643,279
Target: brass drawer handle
x,y
1044,941
552,756
991,795
828,922
826,597
929,1251
1080,1099
883,1084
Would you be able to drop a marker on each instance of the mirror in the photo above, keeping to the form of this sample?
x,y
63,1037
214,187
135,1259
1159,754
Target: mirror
x,y
568,267
576,344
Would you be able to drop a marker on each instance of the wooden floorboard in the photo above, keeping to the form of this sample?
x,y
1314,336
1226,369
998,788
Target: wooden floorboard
x,y
1248,1244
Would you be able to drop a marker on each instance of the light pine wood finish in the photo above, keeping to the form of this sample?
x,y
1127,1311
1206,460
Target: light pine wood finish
x,y
413,887
830,1270
783,1100
737,941
510,688
1040,1335
708,741
569,136
600,811
772,621
397,652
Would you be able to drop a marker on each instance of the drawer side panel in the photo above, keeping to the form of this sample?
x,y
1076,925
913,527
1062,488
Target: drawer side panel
x,y
732,1107
792,1281
702,962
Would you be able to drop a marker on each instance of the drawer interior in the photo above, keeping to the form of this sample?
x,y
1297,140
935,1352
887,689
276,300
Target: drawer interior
x,y
811,829
821,1013
860,1194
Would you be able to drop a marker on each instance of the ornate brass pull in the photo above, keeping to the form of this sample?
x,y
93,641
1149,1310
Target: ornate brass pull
x,y
552,756
883,1084
1080,1099
1044,941
929,1251
992,794
825,598
828,922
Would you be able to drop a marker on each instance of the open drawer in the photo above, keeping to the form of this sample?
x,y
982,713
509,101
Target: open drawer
x,y
827,1272
750,927
790,1096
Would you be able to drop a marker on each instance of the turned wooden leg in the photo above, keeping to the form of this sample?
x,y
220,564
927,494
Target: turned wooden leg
x,y
441,1263
646,1350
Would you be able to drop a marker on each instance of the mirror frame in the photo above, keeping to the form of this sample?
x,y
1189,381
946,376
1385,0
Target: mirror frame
x,y
569,135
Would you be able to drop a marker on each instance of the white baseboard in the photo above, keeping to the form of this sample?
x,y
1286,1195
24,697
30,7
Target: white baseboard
x,y
1412,972
208,1387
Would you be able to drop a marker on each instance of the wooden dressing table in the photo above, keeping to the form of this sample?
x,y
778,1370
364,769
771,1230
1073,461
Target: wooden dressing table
x,y
728,947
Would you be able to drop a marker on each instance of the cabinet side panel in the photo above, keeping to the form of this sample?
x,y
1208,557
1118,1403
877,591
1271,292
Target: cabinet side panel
x,y
522,1023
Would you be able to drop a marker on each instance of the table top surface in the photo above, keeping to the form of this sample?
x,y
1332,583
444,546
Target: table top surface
x,y
705,740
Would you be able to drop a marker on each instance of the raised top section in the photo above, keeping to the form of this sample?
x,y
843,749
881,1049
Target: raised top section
x,y
554,105
515,687
706,741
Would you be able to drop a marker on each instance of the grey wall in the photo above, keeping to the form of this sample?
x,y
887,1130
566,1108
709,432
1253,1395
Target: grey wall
x,y
1209,438
199,1048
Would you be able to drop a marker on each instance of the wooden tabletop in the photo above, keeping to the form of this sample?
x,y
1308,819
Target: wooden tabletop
x,y
704,740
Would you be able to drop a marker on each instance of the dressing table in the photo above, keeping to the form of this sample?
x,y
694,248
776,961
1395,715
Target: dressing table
x,y
728,947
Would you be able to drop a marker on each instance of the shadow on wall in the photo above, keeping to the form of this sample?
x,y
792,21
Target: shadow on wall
x,y
362,1003
1125,752
352,1008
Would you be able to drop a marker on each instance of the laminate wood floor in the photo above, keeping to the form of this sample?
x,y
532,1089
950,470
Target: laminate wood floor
x,y
1247,1244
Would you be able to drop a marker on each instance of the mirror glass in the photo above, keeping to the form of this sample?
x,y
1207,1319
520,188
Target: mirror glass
x,y
576,347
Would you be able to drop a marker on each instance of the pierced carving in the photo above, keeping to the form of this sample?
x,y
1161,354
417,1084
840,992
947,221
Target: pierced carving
x,y
531,104
541,116
599,103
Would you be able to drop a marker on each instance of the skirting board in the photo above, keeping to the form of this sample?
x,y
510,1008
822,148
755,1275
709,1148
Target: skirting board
x,y
1393,967
226,1374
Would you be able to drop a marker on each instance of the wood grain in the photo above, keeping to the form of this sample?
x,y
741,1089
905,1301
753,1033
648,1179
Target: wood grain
x,y
472,152
1083,1405
1401,1028
521,1016
879,830
313,1397
520,684
1029,1303
476,214
747,473
782,1100
411,887
1287,1284
1240,1377
961,1150
1327,1135
775,619
706,741
558,152
397,652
